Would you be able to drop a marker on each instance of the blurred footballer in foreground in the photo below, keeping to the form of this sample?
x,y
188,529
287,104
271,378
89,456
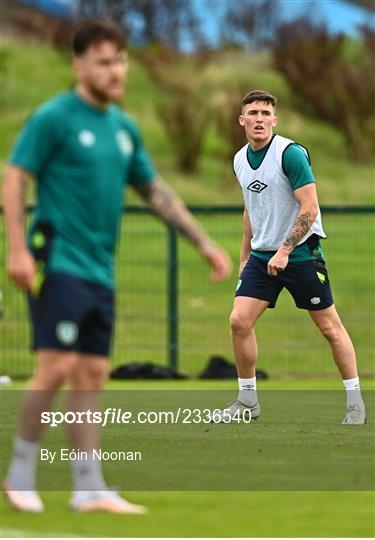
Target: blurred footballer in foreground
x,y
83,152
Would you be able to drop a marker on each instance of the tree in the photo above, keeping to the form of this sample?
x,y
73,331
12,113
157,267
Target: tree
x,y
184,111
249,23
368,5
228,109
332,78
170,22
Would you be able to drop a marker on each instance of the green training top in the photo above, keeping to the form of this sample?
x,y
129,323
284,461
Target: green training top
x,y
82,158
297,167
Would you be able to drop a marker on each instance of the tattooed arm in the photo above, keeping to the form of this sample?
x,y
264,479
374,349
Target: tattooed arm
x,y
308,201
171,209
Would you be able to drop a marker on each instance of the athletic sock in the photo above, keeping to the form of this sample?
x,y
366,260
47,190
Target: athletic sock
x,y
353,391
247,384
248,391
21,473
88,476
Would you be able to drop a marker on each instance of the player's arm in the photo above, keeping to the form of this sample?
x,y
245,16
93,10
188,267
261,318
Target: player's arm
x,y
171,209
309,208
21,266
246,241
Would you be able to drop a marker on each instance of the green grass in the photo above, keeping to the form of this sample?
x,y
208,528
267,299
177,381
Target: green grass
x,y
209,514
276,443
204,307
33,73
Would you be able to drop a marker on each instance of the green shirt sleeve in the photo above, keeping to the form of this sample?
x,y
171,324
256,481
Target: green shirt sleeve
x,y
296,165
142,168
35,142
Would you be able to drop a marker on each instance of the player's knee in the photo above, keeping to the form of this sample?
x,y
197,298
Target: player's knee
x,y
95,373
99,373
238,324
54,377
332,330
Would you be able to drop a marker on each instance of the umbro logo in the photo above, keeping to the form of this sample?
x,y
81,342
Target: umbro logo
x,y
257,186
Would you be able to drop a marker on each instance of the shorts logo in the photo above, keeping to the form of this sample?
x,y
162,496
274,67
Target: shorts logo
x,y
86,138
316,300
124,142
257,186
67,332
239,283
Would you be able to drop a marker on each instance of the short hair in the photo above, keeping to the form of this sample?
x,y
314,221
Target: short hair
x,y
95,31
259,95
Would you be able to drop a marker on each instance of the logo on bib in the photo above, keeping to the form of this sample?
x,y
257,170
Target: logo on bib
x,y
315,300
124,142
67,332
239,283
86,138
257,186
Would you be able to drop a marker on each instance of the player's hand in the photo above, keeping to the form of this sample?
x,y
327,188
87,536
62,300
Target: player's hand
x,y
21,268
218,259
278,262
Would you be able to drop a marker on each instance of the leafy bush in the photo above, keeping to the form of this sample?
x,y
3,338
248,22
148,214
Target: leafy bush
x,y
332,78
184,111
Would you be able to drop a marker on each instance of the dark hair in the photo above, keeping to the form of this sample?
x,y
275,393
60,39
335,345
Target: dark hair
x,y
95,31
259,95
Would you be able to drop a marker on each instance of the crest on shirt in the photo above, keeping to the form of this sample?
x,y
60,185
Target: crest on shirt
x,y
124,142
86,138
257,186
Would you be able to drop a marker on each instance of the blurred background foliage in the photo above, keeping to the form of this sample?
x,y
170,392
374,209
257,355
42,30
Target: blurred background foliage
x,y
186,93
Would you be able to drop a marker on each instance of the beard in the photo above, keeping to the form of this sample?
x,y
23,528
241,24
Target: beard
x,y
102,95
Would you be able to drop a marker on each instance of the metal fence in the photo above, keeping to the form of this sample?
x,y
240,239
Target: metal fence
x,y
168,311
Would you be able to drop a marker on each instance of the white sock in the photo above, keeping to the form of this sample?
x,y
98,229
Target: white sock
x,y
353,391
88,475
21,473
247,384
248,391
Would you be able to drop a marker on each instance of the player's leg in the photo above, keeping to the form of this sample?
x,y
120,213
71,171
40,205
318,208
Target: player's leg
x,y
91,371
308,282
255,292
330,325
244,315
86,382
53,369
55,320
90,491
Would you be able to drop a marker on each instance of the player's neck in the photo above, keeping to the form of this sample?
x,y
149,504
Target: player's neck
x,y
258,145
85,94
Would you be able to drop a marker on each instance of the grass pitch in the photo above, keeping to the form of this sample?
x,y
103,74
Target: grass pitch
x,y
248,513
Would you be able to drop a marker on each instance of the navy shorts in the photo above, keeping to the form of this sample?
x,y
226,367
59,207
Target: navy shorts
x,y
72,314
306,281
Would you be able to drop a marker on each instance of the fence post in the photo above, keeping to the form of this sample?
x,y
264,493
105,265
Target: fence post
x,y
172,288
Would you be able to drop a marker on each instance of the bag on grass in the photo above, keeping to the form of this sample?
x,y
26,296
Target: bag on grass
x,y
219,367
147,370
